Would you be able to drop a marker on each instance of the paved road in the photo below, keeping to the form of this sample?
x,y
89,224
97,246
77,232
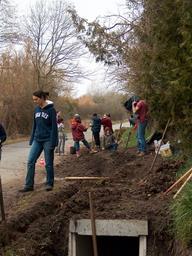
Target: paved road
x,y
14,158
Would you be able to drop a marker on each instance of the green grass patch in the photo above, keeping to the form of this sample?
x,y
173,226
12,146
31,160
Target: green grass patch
x,y
132,137
182,215
181,209
10,252
185,167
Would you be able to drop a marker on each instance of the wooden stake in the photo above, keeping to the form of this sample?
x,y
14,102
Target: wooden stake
x,y
118,136
2,202
92,141
188,178
86,178
1,193
93,226
128,138
178,181
154,160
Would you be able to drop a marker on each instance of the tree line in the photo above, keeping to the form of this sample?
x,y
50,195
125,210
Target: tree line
x,y
42,51
148,50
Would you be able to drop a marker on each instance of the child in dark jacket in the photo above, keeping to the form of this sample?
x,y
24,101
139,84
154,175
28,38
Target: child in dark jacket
x,y
78,130
109,141
96,128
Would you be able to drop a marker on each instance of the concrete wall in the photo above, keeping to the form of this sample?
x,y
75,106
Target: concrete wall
x,y
80,233
110,227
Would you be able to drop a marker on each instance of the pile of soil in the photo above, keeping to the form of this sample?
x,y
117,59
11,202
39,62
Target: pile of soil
x,y
38,224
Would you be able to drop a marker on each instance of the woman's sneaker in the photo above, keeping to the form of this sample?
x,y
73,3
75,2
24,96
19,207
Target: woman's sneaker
x,y
142,154
24,190
77,154
48,188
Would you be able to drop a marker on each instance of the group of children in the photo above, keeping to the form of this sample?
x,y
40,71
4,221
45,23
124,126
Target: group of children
x,y
78,129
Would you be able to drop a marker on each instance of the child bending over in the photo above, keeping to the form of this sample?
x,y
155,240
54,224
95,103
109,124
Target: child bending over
x,y
78,130
109,141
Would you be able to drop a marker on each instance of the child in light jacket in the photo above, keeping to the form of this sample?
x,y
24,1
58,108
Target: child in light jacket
x,y
61,136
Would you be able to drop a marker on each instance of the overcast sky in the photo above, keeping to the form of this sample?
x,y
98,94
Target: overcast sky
x,y
89,9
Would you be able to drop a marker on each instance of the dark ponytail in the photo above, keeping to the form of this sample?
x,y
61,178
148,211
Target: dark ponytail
x,y
41,94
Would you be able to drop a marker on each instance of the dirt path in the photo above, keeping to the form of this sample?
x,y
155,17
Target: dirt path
x,y
37,223
13,166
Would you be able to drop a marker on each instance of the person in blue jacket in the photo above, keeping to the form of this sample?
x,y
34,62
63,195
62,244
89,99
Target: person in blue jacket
x,y
96,128
44,137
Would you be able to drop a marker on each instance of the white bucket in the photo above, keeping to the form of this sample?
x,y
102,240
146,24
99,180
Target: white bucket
x,y
165,150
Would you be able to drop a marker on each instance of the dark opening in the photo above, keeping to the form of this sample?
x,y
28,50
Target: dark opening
x,y
108,246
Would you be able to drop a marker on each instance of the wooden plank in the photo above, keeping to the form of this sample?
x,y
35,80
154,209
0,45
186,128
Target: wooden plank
x,y
86,178
184,176
189,177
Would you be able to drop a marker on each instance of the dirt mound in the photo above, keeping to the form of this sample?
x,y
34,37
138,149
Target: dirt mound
x,y
38,225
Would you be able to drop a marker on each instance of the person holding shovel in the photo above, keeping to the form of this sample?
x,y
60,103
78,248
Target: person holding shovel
x,y
44,137
140,108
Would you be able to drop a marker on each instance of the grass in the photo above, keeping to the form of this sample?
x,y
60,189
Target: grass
x,y
132,137
10,252
181,210
185,167
182,215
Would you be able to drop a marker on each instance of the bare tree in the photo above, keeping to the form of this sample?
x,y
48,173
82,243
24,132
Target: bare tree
x,y
55,47
8,25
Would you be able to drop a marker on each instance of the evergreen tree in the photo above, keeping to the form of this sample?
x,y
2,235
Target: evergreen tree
x,y
152,52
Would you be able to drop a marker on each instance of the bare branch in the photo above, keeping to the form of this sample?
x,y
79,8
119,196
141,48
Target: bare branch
x,y
55,46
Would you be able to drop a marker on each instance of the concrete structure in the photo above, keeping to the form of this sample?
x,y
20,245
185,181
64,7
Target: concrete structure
x,y
120,235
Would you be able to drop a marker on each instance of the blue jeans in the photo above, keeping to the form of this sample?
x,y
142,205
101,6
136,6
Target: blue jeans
x,y
77,144
35,152
141,143
112,147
